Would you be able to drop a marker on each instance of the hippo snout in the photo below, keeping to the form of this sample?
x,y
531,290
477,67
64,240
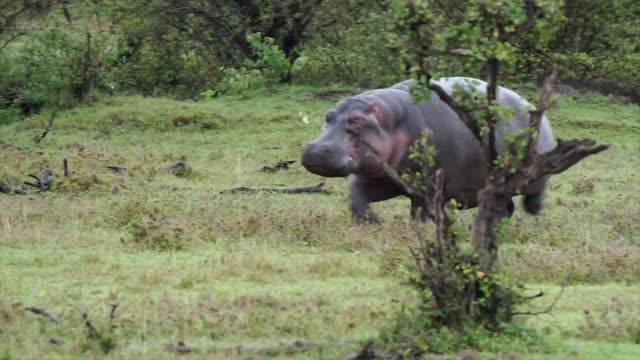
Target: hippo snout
x,y
327,160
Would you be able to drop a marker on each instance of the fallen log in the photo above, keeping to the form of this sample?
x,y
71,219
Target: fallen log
x,y
301,190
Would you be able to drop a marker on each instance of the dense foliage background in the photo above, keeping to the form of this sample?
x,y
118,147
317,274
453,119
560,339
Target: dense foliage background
x,y
56,53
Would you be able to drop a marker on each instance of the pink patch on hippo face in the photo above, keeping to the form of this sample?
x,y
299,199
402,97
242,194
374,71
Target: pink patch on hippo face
x,y
377,114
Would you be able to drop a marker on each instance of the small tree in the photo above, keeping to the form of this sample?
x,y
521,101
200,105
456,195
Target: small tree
x,y
465,286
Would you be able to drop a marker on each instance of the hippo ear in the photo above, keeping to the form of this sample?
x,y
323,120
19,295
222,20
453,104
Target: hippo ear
x,y
376,111
329,116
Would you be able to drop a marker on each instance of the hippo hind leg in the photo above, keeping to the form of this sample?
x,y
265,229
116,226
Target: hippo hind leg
x,y
511,207
419,210
533,203
533,198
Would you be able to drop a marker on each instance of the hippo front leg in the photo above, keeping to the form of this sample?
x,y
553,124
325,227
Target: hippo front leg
x,y
364,192
419,210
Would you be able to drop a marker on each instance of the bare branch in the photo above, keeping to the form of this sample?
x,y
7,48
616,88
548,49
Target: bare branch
x,y
112,317
538,113
464,115
442,228
565,155
39,138
388,170
492,94
553,303
43,312
93,333
65,167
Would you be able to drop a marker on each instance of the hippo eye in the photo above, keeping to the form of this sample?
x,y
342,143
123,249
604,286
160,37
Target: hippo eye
x,y
355,121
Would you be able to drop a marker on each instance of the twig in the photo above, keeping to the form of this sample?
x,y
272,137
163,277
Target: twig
x,y
45,183
491,152
442,229
112,316
553,303
37,139
464,115
10,40
388,170
538,113
43,312
280,165
65,167
117,169
93,333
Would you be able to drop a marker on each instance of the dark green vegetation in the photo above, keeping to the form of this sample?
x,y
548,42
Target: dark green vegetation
x,y
255,270
55,55
246,83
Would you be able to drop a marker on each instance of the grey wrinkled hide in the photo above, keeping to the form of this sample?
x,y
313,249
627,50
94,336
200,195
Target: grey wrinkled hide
x,y
458,153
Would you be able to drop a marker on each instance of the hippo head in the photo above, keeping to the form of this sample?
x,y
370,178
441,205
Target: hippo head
x,y
337,152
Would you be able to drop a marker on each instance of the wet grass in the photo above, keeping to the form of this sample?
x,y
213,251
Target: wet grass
x,y
218,271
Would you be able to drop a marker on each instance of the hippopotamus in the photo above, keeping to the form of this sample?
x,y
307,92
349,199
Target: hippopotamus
x,y
390,122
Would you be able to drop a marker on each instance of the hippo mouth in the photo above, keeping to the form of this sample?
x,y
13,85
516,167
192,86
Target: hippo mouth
x,y
347,168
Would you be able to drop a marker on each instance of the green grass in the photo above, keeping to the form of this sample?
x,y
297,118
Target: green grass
x,y
219,271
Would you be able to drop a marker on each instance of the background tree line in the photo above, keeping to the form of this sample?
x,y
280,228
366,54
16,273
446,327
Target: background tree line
x,y
55,53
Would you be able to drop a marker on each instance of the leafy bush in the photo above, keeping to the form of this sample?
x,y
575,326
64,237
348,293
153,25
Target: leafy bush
x,y
268,68
270,59
413,333
157,64
53,70
360,55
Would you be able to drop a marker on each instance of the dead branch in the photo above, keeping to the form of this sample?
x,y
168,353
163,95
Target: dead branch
x,y
491,152
39,138
301,190
181,348
565,155
112,317
548,308
44,184
93,333
67,12
280,165
463,114
43,312
388,170
117,169
442,226
538,114
65,167
562,157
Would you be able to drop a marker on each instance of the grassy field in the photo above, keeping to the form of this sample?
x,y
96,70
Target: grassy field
x,y
235,275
